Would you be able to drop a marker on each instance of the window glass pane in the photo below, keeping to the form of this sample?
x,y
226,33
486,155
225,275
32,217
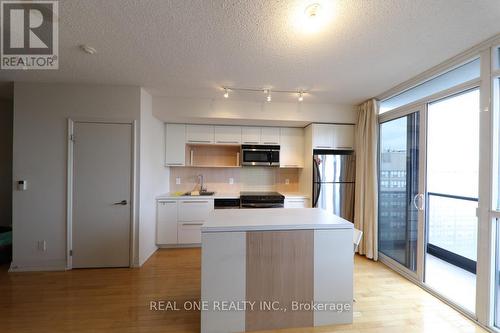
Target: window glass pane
x,y
464,73
453,225
398,184
453,145
496,135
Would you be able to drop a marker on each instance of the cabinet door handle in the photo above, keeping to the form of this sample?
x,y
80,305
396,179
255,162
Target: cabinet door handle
x,y
165,202
199,141
192,223
290,165
344,147
195,201
323,147
227,141
251,142
270,143
174,164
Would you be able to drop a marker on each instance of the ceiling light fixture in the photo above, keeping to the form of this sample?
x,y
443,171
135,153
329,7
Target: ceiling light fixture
x,y
88,49
314,17
300,93
313,11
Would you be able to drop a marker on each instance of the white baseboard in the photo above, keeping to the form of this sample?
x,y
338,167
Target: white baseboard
x,y
48,266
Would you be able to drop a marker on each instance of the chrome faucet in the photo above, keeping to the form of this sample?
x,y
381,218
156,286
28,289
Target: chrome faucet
x,y
202,181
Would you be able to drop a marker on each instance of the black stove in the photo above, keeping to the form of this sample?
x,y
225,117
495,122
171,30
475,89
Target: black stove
x,y
262,200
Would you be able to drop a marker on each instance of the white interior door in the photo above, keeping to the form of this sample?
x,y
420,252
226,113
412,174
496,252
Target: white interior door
x,y
102,164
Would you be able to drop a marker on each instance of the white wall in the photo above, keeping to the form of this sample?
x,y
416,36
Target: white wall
x,y
249,113
154,177
6,162
40,142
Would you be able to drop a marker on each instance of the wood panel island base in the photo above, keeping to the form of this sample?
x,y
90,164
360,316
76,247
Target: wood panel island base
x,y
275,268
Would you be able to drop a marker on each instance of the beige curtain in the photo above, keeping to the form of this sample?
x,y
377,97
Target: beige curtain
x,y
366,200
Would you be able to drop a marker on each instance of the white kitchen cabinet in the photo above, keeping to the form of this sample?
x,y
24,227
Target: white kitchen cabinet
x,y
192,213
166,222
194,210
227,134
199,134
296,202
292,147
189,232
175,147
250,135
270,136
343,136
323,136
332,136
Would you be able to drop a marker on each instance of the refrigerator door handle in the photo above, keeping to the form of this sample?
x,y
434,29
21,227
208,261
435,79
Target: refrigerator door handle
x,y
316,198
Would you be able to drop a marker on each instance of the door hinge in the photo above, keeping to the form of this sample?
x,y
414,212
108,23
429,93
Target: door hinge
x,y
70,253
72,137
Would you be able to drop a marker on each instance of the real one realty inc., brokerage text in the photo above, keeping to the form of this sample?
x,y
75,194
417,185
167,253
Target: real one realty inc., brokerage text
x,y
162,305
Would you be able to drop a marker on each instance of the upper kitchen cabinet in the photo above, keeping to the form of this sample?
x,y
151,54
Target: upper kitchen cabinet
x,y
250,135
330,136
343,136
199,134
322,135
270,136
292,147
175,151
228,135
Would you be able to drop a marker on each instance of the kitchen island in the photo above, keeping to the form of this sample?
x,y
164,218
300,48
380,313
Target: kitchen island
x,y
275,268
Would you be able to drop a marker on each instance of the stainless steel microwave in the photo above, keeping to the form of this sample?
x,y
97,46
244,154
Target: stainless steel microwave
x,y
260,155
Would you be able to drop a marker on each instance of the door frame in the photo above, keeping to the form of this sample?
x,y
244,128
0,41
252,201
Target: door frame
x,y
422,163
69,188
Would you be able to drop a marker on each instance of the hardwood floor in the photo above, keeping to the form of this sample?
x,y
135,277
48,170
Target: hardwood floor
x,y
118,300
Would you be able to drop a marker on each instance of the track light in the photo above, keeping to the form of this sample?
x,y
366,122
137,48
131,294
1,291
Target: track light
x,y
267,92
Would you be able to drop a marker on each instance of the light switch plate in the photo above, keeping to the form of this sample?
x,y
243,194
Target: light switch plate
x,y
231,181
287,181
177,180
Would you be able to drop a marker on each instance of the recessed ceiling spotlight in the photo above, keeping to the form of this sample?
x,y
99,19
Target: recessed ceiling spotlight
x,y
226,93
88,49
301,96
268,96
313,11
314,17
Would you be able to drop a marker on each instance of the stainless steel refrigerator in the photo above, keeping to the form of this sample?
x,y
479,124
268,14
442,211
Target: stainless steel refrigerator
x,y
334,173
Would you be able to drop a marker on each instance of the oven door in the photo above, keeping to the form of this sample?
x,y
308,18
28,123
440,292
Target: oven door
x,y
255,156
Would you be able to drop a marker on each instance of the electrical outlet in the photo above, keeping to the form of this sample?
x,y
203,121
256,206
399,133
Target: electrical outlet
x,y
42,245
287,181
231,181
177,180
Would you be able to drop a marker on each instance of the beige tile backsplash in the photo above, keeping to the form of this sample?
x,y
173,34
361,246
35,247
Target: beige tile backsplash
x,y
245,179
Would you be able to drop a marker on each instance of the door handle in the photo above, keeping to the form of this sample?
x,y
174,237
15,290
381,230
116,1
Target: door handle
x,y
418,202
122,203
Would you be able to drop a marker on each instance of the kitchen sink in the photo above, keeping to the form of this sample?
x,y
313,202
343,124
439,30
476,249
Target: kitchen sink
x,y
204,193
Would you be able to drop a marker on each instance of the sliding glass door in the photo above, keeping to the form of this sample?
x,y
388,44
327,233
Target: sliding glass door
x,y
398,188
452,176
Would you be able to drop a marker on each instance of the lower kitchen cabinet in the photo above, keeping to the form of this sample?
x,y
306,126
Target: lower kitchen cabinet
x,y
189,233
179,221
296,202
166,222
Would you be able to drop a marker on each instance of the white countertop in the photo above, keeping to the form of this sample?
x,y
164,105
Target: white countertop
x,y
217,195
273,219
222,195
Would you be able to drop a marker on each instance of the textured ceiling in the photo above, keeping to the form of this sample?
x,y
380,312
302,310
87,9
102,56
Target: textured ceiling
x,y
190,48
